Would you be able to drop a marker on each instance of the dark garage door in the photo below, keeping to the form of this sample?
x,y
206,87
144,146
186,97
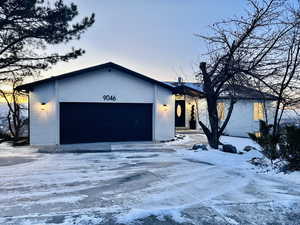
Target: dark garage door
x,y
103,122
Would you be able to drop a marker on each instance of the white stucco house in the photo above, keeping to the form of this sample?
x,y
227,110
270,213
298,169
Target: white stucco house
x,y
251,107
110,103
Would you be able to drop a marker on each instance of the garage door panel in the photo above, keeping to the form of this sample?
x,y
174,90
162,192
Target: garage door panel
x,y
100,122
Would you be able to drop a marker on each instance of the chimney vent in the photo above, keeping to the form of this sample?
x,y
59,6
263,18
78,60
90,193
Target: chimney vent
x,y
180,81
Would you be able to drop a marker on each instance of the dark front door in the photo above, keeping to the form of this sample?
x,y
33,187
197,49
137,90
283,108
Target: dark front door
x,y
105,122
180,113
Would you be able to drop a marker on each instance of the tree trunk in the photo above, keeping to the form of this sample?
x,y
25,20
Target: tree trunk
x,y
211,99
213,140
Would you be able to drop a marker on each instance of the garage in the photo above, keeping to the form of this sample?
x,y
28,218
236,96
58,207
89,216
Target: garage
x,y
105,122
103,103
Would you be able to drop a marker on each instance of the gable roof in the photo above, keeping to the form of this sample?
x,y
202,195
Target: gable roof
x,y
242,92
110,65
187,88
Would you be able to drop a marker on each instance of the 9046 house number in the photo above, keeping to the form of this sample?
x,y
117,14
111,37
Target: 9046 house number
x,y
109,98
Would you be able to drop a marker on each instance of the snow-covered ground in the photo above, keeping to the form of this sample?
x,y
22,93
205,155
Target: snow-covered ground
x,y
163,187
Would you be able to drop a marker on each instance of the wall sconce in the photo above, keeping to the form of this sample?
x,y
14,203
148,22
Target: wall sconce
x,y
165,107
43,106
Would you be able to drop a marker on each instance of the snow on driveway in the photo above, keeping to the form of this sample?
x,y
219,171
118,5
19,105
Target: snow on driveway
x,y
153,187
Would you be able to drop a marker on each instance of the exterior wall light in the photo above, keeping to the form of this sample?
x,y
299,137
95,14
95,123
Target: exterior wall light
x,y
165,107
43,106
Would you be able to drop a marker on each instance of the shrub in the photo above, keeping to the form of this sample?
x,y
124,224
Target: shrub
x,y
290,147
267,140
285,145
4,136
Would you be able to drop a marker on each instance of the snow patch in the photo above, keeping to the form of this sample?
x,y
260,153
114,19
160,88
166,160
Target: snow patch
x,y
69,199
137,214
70,220
180,139
82,220
239,143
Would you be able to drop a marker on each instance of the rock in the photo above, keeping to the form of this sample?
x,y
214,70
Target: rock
x,y
179,136
249,148
229,149
240,153
258,162
200,147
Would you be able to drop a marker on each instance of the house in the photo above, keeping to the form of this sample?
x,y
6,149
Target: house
x,y
104,103
110,103
251,106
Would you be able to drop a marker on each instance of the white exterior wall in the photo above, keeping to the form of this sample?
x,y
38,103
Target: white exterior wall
x,y
165,120
43,122
241,121
90,87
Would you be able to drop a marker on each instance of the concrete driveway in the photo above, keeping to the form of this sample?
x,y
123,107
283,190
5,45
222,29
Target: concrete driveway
x,y
144,187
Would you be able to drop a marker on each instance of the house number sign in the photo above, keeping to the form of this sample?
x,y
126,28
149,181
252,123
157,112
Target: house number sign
x,y
109,98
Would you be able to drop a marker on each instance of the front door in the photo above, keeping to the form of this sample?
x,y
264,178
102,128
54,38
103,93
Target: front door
x,y
180,113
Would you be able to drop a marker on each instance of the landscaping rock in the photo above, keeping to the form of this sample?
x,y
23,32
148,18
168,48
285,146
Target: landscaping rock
x,y
249,148
229,149
258,162
200,147
180,136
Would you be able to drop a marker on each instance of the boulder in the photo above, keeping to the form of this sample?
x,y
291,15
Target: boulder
x,y
258,162
248,148
229,149
199,147
180,136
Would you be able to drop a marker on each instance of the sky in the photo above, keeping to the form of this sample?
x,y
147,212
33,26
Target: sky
x,y
153,37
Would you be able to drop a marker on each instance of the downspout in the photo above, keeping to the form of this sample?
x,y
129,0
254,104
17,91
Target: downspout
x,y
56,97
155,114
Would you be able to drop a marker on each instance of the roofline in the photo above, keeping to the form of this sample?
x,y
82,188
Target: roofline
x,y
251,98
182,90
29,86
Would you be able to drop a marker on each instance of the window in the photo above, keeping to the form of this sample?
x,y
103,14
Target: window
x,y
258,111
258,134
221,110
178,110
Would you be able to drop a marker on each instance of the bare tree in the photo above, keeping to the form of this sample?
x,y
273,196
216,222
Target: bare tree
x,y
27,29
285,81
15,115
240,49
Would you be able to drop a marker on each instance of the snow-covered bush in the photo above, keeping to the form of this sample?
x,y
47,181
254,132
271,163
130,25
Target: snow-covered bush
x,y
290,146
285,145
267,140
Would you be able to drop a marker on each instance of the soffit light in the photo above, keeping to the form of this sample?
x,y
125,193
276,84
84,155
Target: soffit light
x,y
43,106
165,107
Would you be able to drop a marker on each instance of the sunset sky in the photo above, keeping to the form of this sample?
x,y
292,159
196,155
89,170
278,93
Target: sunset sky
x,y
153,37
